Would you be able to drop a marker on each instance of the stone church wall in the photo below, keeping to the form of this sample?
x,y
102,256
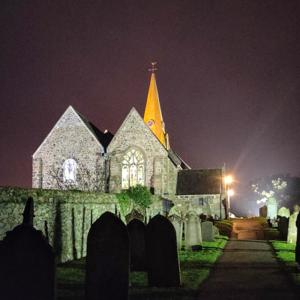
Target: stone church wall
x,y
206,204
134,133
69,139
168,178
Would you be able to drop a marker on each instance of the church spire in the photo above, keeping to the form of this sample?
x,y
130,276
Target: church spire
x,y
153,116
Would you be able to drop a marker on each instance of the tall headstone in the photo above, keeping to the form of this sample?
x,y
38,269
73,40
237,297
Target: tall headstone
x,y
162,257
297,250
272,207
28,213
177,222
27,262
107,261
207,230
283,225
263,211
137,231
292,231
193,235
134,214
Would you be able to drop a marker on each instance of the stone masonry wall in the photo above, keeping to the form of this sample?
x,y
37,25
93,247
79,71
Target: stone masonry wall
x,y
206,204
70,138
134,133
64,217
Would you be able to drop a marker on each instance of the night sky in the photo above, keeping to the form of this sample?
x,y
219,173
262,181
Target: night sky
x,y
228,78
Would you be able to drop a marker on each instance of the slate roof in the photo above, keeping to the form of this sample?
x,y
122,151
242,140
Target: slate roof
x,y
104,138
177,160
199,182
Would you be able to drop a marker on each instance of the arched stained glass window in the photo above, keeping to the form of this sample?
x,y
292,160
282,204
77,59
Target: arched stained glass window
x,y
69,170
133,169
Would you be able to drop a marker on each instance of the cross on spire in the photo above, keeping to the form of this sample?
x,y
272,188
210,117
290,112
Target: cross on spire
x,y
153,68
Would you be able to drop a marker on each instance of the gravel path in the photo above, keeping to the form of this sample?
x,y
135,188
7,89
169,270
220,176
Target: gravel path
x,y
248,270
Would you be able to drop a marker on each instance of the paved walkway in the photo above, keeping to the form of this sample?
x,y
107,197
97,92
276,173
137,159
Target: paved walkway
x,y
247,229
247,270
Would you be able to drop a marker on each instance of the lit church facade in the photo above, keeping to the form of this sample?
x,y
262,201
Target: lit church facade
x,y
77,155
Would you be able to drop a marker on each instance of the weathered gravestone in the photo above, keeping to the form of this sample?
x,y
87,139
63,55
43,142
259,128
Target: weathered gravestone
x,y
207,231
297,250
177,222
263,211
134,214
137,231
216,231
107,261
193,235
27,262
272,207
292,230
283,225
162,257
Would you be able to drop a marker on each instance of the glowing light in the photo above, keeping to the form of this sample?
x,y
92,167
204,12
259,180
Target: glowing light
x,y
228,179
230,192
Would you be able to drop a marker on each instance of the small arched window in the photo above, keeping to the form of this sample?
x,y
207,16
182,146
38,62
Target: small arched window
x,y
69,170
133,169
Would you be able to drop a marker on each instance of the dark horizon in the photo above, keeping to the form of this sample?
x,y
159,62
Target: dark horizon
x,y
228,77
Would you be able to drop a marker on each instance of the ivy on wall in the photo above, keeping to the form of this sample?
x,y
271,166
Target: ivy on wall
x,y
136,195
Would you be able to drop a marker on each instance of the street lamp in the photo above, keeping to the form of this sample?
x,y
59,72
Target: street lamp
x,y
228,180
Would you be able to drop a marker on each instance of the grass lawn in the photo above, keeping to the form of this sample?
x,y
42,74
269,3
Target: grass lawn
x,y
195,268
285,253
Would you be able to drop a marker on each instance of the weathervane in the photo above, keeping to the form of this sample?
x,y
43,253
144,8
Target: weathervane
x,y
153,68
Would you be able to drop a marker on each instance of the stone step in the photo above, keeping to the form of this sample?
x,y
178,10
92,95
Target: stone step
x,y
250,235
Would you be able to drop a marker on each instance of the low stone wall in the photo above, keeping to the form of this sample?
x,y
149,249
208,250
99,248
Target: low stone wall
x,y
64,217
206,204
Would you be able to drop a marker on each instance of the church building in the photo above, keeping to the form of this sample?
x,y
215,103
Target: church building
x,y
77,155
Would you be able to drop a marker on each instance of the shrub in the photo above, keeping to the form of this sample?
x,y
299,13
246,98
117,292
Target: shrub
x,y
225,227
136,195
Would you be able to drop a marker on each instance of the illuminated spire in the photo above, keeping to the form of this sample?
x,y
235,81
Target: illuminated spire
x,y
153,116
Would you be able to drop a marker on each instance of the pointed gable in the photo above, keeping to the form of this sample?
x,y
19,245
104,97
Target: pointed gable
x,y
71,118
134,131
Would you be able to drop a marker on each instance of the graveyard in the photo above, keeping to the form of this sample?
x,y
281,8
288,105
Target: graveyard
x,y
149,150
195,267
160,255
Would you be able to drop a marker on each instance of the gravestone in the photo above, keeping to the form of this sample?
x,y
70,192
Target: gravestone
x,y
207,231
272,208
137,231
177,222
134,214
283,212
193,235
292,230
263,211
216,231
107,261
297,250
162,257
283,225
27,262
